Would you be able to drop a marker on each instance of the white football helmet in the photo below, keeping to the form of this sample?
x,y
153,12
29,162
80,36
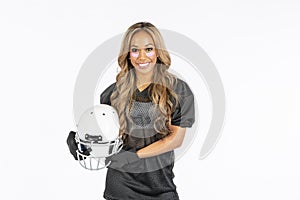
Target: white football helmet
x,y
98,134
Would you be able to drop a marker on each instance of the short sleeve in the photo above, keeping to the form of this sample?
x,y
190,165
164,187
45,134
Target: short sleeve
x,y
105,95
184,113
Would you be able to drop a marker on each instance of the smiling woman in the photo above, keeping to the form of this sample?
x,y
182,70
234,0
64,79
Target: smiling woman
x,y
154,109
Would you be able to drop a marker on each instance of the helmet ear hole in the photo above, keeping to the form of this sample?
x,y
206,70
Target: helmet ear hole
x,y
98,131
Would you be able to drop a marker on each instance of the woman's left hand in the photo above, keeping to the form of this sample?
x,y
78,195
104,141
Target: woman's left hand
x,y
122,158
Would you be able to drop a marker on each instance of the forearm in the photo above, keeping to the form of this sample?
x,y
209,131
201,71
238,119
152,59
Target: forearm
x,y
168,143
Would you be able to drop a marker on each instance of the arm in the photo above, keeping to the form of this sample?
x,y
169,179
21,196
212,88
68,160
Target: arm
x,y
168,143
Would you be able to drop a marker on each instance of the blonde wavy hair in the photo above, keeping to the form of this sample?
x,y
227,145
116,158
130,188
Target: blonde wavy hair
x,y
162,93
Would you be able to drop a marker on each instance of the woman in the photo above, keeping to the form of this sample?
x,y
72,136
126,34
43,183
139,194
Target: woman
x,y
154,109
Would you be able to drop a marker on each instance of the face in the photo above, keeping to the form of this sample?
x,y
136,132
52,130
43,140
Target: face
x,y
143,54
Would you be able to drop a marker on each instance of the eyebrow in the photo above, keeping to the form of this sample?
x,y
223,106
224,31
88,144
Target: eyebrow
x,y
145,45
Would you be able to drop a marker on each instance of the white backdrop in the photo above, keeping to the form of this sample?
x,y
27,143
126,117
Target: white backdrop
x,y
254,45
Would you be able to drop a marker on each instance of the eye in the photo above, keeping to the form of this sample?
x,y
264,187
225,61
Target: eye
x,y
134,50
149,49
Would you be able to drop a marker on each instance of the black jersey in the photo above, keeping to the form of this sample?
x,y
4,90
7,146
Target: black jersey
x,y
149,178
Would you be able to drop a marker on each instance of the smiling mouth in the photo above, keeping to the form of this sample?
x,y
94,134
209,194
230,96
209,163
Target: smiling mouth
x,y
143,64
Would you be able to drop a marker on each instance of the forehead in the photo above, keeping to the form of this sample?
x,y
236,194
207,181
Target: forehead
x,y
141,38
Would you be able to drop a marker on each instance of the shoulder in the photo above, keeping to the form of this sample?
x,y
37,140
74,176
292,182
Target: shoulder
x,y
184,112
105,95
182,88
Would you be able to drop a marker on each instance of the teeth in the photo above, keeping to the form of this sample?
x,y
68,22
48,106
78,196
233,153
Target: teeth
x,y
143,64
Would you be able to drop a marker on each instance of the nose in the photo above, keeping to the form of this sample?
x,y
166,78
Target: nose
x,y
142,55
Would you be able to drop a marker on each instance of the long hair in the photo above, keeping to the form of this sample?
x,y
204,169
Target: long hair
x,y
162,93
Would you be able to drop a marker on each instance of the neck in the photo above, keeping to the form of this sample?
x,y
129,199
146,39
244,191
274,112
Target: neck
x,y
143,80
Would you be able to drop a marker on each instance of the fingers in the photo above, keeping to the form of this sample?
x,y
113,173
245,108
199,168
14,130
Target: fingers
x,y
115,165
114,161
73,147
71,137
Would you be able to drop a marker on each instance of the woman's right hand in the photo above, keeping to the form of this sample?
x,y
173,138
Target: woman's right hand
x,y
73,146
